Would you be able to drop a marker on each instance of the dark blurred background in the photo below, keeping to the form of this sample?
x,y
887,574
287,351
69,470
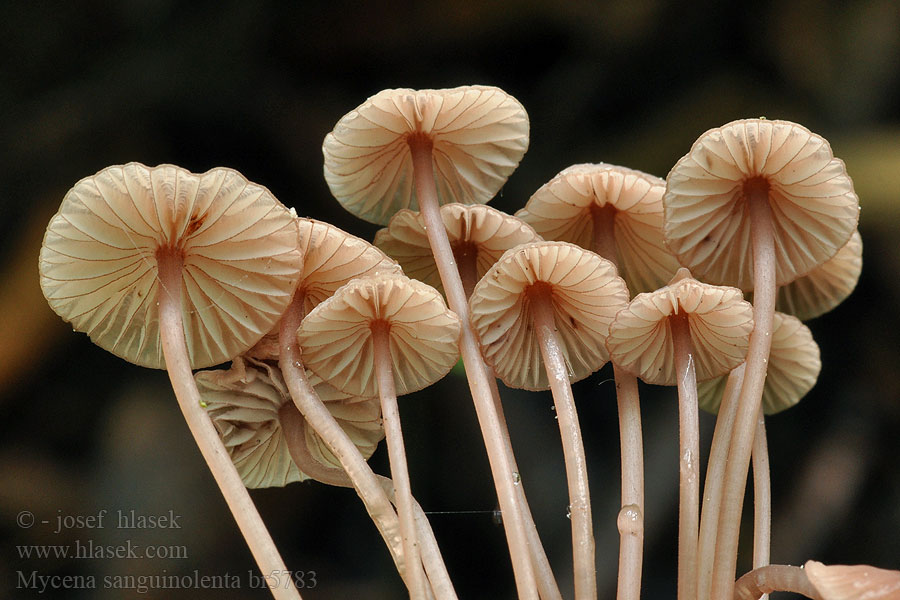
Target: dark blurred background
x,y
256,86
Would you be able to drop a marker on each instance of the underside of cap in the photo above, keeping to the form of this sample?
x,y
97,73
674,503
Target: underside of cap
x,y
478,135
585,293
811,198
240,255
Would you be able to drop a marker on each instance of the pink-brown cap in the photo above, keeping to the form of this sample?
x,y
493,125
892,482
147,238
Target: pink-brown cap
x,y
240,253
826,286
794,366
476,228
586,293
640,339
853,582
244,403
336,336
811,197
566,207
478,135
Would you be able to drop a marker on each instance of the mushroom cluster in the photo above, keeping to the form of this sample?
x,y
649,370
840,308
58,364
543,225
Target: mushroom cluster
x,y
323,330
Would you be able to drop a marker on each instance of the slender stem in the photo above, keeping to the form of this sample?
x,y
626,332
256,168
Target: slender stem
x,y
476,371
431,554
235,493
336,439
774,578
293,425
762,238
630,521
573,446
390,412
689,452
546,582
712,490
762,496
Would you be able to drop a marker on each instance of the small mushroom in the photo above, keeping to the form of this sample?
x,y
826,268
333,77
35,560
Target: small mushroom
x,y
542,313
170,269
386,335
755,204
676,335
478,235
420,149
614,211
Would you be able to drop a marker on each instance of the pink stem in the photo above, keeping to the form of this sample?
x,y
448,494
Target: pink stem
x,y
689,452
233,490
712,490
762,238
774,578
573,446
630,520
762,497
476,371
390,412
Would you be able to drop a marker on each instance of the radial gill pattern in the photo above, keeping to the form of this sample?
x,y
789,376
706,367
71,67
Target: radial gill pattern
x,y
336,337
244,403
640,339
481,230
478,135
824,287
240,253
332,257
794,366
585,293
811,197
566,208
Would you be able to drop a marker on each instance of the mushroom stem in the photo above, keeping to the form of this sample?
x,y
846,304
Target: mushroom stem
x,y
712,489
294,427
762,496
689,453
630,521
237,497
774,578
397,454
323,422
573,446
477,372
764,289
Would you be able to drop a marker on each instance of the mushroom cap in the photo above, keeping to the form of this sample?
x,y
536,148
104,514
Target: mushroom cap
x,y
241,260
853,582
707,221
794,366
585,292
564,209
479,135
489,230
244,402
640,339
336,336
826,286
332,257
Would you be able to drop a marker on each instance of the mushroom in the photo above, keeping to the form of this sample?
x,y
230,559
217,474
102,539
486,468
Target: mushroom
x,y
774,578
251,408
542,313
478,235
169,269
853,582
755,204
614,211
794,366
676,335
420,149
386,335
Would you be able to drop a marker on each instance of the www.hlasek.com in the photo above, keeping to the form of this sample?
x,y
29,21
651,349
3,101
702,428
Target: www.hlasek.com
x,y
87,549
33,580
